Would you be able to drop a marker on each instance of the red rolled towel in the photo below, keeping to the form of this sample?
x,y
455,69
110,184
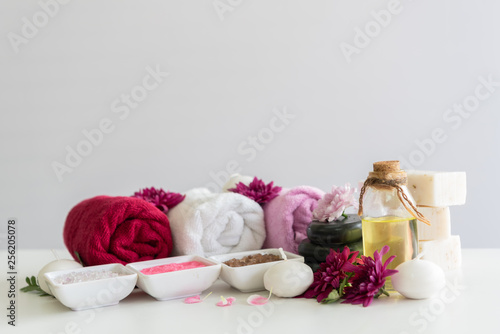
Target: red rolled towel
x,y
106,229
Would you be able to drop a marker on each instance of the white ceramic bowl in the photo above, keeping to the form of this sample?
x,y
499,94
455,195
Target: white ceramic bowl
x,y
176,284
91,294
249,278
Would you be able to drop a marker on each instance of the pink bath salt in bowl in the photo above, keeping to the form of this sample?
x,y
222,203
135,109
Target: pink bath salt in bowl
x,y
166,268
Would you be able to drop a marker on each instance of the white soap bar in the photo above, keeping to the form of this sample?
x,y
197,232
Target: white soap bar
x,y
440,227
446,253
437,188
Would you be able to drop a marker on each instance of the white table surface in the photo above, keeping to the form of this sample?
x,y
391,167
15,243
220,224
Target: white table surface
x,y
469,304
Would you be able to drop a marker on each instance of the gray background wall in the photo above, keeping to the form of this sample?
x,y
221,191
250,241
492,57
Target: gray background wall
x,y
360,81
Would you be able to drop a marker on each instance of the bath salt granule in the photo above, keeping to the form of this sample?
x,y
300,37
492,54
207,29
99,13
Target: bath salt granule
x,y
84,276
166,268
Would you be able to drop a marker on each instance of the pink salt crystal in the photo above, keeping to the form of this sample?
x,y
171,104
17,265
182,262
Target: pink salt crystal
x,y
166,268
192,300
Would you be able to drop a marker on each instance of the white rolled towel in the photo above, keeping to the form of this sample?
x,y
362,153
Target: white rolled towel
x,y
207,224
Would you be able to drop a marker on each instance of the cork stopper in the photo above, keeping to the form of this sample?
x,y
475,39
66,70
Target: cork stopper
x,y
388,170
386,166
388,175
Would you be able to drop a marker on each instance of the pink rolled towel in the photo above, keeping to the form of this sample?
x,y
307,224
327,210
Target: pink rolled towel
x,y
288,216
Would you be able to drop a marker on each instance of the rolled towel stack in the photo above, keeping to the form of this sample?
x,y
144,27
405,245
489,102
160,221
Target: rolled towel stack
x,y
106,229
207,223
288,216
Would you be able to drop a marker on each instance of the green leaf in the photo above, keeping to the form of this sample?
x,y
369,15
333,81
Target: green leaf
x,y
33,287
345,283
332,297
79,258
342,286
382,291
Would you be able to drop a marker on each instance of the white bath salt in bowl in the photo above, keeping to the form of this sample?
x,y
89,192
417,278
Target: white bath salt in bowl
x,y
91,287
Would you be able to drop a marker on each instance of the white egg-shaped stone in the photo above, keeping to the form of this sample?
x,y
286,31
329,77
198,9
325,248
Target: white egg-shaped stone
x,y
288,278
56,265
418,279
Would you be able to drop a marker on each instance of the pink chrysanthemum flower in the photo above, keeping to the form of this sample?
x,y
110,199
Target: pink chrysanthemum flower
x,y
369,278
257,190
331,274
163,200
334,203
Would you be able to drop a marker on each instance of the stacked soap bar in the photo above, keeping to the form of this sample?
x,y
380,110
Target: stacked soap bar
x,y
434,193
440,227
437,189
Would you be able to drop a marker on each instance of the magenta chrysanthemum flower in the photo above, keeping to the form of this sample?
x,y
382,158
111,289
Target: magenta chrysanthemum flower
x,y
331,273
257,190
369,278
163,200
334,203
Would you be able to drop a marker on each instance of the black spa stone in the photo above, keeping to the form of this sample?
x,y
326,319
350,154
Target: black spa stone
x,y
316,253
341,231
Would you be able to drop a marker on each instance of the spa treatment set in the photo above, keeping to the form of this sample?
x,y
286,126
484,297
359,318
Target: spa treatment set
x,y
297,242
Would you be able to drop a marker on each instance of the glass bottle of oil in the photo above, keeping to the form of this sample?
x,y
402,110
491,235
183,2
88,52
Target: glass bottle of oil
x,y
387,216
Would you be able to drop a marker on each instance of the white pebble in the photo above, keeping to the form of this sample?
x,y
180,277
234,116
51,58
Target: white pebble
x,y
288,278
418,279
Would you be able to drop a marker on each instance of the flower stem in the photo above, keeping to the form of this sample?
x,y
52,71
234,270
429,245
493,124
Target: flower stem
x,y
382,291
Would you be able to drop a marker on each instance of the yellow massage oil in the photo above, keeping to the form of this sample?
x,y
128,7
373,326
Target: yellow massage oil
x,y
389,215
400,234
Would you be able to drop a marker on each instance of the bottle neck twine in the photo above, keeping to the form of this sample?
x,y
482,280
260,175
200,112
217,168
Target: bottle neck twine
x,y
388,184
